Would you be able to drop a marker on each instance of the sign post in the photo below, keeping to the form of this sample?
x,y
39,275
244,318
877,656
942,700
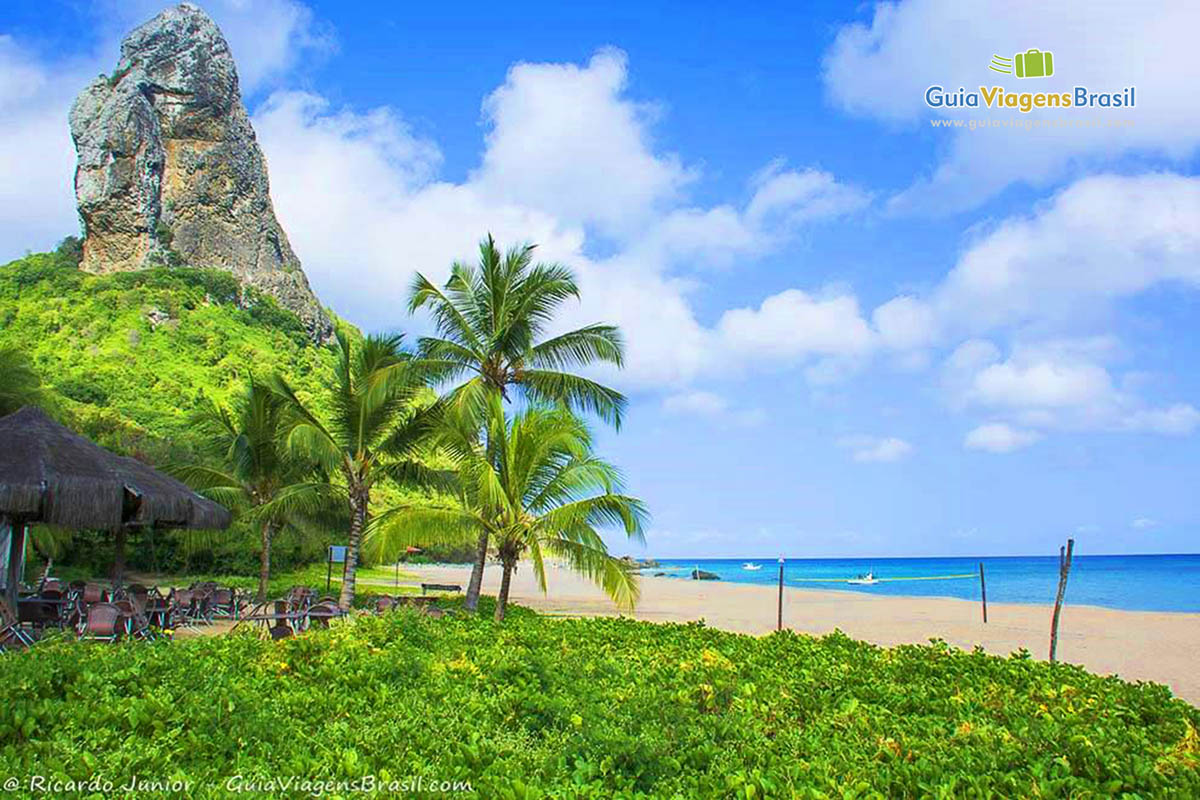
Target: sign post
x,y
779,620
337,555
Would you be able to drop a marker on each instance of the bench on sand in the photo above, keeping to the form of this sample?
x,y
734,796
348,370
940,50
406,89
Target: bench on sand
x,y
440,587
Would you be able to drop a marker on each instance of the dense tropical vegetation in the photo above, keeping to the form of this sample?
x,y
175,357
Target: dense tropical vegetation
x,y
129,356
490,320
594,708
352,440
127,359
250,469
376,430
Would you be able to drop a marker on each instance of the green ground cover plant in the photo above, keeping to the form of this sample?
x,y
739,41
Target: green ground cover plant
x,y
594,708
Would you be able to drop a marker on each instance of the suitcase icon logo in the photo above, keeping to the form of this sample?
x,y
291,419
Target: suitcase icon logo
x,y
1033,63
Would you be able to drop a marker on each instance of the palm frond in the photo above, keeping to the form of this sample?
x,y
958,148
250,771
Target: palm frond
x,y
577,393
579,348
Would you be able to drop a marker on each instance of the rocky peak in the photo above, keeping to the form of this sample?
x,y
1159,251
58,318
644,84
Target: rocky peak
x,y
169,171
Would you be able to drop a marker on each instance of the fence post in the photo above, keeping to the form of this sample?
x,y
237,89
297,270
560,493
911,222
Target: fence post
x,y
1064,567
779,620
983,592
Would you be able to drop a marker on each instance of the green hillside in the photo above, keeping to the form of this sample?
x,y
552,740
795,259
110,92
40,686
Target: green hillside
x,y
130,353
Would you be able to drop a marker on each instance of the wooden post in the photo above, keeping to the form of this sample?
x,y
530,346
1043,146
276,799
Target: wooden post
x,y
983,592
16,548
397,571
779,620
1064,567
119,556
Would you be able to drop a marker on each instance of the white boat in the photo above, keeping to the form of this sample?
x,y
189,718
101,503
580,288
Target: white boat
x,y
868,579
751,567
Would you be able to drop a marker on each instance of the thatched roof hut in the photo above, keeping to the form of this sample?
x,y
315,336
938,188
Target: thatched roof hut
x,y
51,475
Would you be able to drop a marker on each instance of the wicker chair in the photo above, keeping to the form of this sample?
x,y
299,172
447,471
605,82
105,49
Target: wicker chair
x,y
12,635
320,614
94,593
158,609
385,603
137,624
225,603
299,598
104,623
181,603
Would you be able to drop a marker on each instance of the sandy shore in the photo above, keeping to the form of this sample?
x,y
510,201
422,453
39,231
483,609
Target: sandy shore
x,y
1137,645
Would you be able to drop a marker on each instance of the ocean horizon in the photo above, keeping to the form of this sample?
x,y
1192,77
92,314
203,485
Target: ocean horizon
x,y
1128,582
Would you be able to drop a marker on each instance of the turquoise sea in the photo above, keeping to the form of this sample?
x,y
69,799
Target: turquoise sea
x,y
1145,582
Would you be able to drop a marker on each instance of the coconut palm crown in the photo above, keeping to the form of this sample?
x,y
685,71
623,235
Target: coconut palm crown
x,y
491,320
538,491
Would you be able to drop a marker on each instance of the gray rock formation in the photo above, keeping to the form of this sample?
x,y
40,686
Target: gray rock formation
x,y
169,171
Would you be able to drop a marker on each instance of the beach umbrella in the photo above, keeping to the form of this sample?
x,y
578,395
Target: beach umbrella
x,y
52,475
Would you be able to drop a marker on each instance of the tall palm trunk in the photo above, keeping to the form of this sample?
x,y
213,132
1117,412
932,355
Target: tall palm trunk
x,y
359,500
119,556
264,569
510,564
476,583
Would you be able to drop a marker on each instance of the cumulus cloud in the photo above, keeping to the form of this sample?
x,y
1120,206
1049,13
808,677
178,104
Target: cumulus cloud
x,y
268,38
37,159
881,68
876,449
997,437
698,402
794,324
1056,385
566,137
1102,238
359,194
708,404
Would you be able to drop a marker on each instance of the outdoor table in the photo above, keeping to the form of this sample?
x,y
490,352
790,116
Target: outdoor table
x,y
260,615
32,609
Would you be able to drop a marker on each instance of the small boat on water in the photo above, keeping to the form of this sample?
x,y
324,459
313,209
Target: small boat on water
x,y
750,566
867,579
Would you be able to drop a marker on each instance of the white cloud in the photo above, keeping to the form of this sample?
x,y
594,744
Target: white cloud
x,y
698,402
1143,524
881,69
1179,419
1102,238
905,322
566,137
790,197
1042,384
708,404
876,449
358,195
793,324
37,159
998,437
1056,385
268,38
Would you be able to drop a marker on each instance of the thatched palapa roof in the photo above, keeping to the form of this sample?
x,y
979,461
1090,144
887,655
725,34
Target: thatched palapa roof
x,y
51,475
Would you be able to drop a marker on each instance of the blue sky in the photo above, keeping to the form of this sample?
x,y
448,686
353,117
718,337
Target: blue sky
x,y
849,333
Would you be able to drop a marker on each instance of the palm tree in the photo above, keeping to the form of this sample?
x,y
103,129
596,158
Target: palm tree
x,y
20,386
489,320
537,490
253,471
373,431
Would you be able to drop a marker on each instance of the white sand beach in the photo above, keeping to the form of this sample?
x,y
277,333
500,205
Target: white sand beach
x,y
1137,645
